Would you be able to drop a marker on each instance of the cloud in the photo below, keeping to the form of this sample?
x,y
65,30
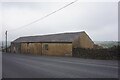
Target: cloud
x,y
98,19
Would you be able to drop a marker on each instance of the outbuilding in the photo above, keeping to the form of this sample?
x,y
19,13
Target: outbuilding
x,y
53,44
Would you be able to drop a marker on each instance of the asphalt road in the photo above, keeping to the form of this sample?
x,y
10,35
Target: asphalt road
x,y
0,65
28,66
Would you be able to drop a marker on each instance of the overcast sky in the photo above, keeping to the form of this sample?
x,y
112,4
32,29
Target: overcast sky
x,y
98,19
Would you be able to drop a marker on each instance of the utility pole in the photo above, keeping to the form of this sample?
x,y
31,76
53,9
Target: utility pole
x,y
6,40
2,45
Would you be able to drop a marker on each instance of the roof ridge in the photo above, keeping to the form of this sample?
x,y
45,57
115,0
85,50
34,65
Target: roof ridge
x,y
59,37
53,34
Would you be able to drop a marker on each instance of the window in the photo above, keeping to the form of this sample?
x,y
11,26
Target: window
x,y
46,46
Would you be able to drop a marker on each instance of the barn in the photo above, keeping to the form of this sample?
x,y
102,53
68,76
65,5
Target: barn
x,y
53,44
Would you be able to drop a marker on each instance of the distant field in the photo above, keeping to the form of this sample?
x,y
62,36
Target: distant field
x,y
107,44
4,43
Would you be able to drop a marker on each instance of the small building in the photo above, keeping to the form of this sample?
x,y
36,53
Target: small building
x,y
54,44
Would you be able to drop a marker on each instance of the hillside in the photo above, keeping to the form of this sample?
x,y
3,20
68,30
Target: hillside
x,y
8,43
107,44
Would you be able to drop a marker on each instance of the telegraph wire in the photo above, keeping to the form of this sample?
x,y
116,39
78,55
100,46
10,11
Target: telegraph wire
x,y
37,20
43,17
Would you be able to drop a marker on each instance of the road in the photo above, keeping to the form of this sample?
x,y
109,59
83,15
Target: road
x,y
28,66
0,65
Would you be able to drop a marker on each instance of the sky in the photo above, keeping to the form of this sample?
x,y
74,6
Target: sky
x,y
98,19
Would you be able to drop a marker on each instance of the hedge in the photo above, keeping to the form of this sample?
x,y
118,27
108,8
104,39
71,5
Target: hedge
x,y
105,54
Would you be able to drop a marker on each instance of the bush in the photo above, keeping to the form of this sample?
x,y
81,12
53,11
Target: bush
x,y
107,54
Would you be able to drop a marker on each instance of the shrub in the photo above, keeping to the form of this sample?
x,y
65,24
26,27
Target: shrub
x,y
110,53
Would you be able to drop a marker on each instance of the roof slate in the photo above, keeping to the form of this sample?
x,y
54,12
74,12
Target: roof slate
x,y
61,37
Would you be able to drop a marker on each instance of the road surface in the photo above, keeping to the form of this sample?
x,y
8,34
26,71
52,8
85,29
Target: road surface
x,y
0,65
28,66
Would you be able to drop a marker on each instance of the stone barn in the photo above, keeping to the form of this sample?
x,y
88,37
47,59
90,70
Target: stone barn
x,y
54,44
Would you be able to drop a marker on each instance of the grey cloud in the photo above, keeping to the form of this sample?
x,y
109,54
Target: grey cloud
x,y
98,19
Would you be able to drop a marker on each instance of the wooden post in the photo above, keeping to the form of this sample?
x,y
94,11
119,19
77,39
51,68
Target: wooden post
x,y
6,40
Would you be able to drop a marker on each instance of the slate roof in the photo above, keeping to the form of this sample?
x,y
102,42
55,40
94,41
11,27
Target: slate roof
x,y
61,37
